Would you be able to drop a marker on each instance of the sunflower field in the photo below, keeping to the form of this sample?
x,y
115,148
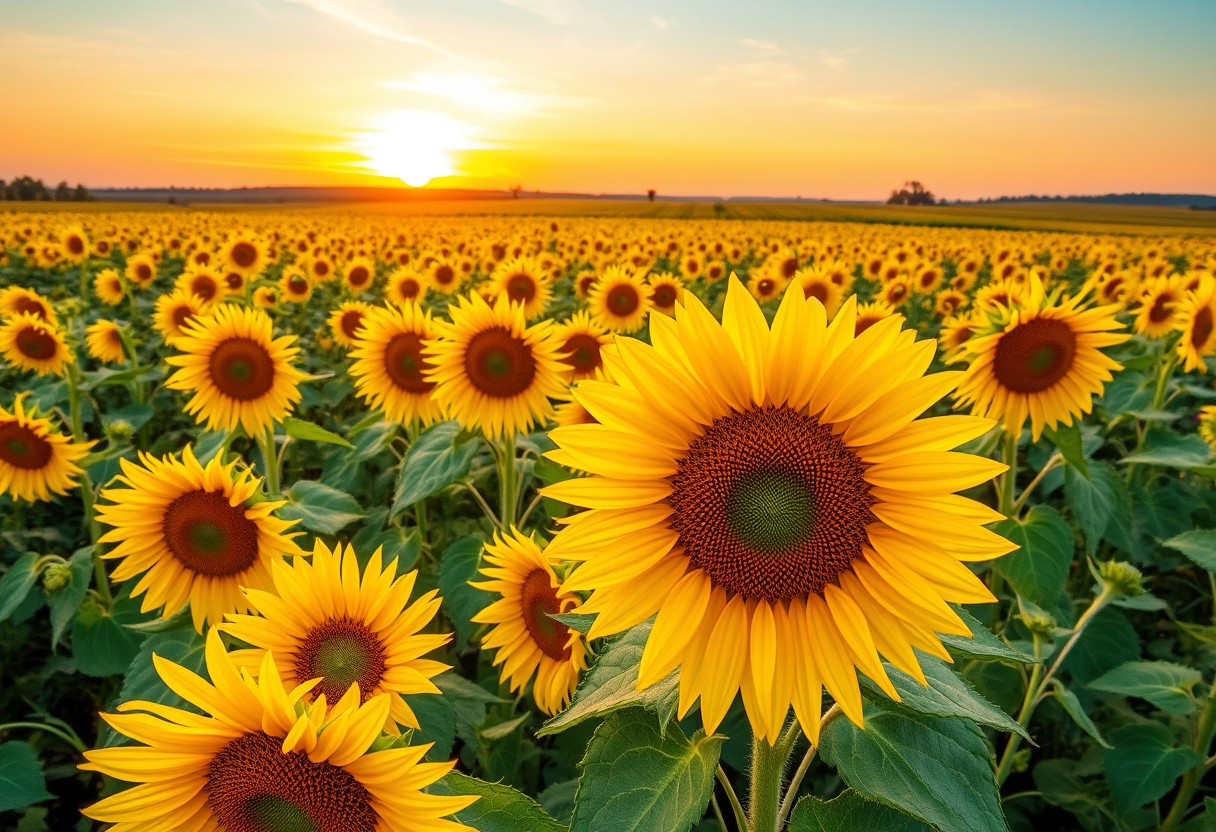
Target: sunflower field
x,y
343,522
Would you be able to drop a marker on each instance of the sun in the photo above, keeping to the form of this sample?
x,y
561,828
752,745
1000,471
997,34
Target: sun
x,y
415,146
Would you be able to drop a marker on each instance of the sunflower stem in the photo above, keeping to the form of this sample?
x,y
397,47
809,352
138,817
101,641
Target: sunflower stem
x,y
1168,363
1204,732
508,481
736,807
1009,479
271,459
1056,460
84,280
101,579
767,774
70,738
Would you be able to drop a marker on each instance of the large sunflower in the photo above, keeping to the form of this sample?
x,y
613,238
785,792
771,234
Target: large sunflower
x,y
359,274
36,461
15,300
390,366
619,300
324,621
260,758
492,371
769,495
345,321
196,534
1043,361
103,340
444,277
239,372
29,343
523,282
581,339
1195,319
528,641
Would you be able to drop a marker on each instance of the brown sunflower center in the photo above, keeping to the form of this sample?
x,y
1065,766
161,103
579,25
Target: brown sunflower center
x,y
358,276
1162,308
209,535
75,244
766,286
341,653
444,275
1201,329
498,364
37,343
297,284
244,254
771,504
204,287
404,363
242,369
143,272
584,353
235,280
181,315
585,283
664,296
817,291
538,600
31,306
320,268
622,300
22,448
521,288
1034,355
351,321
789,267
252,786
409,288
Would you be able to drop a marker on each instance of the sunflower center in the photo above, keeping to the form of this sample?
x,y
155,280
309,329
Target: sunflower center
x,y
242,369
22,448
37,343
1201,330
33,307
408,288
664,296
521,288
584,353
789,267
209,535
499,364
143,272
75,245
404,363
765,286
771,504
182,314
297,284
817,291
1162,308
538,600
320,268
622,300
341,653
1034,355
244,254
252,786
351,321
585,284
235,280
204,287
358,276
444,275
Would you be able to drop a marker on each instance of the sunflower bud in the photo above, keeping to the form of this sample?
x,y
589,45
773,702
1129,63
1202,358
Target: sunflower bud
x,y
1121,578
120,430
1039,623
56,577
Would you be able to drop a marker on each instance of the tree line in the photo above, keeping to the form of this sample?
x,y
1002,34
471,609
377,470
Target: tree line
x,y
28,189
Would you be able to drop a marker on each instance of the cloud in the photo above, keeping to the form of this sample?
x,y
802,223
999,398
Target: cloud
x,y
557,12
661,23
980,101
757,73
371,17
482,93
835,59
763,46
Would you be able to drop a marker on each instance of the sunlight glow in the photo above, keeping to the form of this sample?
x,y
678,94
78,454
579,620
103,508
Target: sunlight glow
x,y
415,146
477,92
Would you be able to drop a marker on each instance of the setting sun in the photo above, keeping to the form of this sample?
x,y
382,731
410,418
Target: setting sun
x,y
415,146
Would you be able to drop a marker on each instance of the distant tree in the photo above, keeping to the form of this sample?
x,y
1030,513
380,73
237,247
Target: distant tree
x,y
63,192
82,194
650,194
912,193
515,189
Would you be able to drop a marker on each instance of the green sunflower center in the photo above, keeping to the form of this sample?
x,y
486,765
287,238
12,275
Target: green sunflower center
x,y
208,538
274,814
770,511
341,652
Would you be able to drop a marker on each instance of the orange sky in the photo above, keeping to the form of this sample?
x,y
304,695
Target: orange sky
x,y
712,98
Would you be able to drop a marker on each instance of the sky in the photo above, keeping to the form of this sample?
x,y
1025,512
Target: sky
x,y
760,97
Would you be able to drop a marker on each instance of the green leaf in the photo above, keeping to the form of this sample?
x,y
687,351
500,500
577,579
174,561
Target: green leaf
x,y
437,459
1095,500
17,583
21,780
575,620
458,567
319,508
636,779
935,769
135,415
437,716
181,645
101,644
1068,440
1061,785
1165,447
611,684
65,601
558,800
1108,641
1198,545
1143,765
300,429
469,702
1038,569
982,644
1072,706
1127,391
946,695
850,811
1165,684
498,808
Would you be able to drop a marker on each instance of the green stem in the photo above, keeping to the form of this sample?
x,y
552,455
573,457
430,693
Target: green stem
x,y
1168,363
507,481
1055,461
768,771
1009,479
101,579
70,739
266,443
736,807
84,280
1204,732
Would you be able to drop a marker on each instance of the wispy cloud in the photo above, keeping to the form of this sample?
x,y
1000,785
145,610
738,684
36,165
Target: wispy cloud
x,y
756,73
763,46
836,59
371,17
660,23
979,101
483,93
557,12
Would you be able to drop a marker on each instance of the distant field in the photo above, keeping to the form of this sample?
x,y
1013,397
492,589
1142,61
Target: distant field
x,y
1097,219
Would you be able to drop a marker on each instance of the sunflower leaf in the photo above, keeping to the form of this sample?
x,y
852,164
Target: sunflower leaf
x,y
1068,440
1143,764
65,601
498,808
849,810
319,508
981,644
1165,684
1198,545
1072,706
21,780
461,600
17,583
436,459
1039,567
1167,448
309,432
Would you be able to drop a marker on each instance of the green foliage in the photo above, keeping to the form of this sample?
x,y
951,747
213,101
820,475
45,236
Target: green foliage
x,y
21,780
1143,764
850,810
439,457
1038,569
320,508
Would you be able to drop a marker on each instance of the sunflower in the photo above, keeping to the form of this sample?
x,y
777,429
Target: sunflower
x,y
239,372
196,534
107,285
443,277
522,282
897,292
1160,301
998,295
817,283
234,281
581,339
204,282
324,621
583,284
244,253
1118,287
869,314
766,284
14,300
141,270
769,495
104,342
1195,319
526,639
491,370
948,302
35,460
75,244
265,297
174,311
344,322
1043,361
29,343
619,300
294,285
390,366
257,757
957,331
359,274
665,290
927,280
404,285
1207,424
568,411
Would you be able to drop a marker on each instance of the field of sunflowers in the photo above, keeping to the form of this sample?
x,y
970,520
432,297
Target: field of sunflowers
x,y
342,523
